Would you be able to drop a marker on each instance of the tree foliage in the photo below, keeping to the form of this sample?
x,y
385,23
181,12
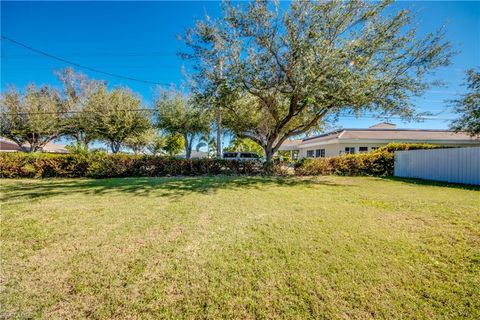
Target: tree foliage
x,y
174,143
78,90
116,116
468,106
209,142
157,143
32,118
286,71
178,115
245,145
138,143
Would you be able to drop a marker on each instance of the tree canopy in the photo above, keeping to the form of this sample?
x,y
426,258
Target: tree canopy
x,y
174,143
468,106
178,115
116,116
32,118
245,145
78,90
286,71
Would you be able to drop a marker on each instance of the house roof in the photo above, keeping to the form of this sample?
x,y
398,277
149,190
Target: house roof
x,y
382,133
7,145
391,134
289,145
383,125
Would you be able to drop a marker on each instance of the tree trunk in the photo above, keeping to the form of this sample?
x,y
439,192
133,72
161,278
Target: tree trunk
x,y
219,117
82,141
34,147
219,134
188,146
115,146
268,165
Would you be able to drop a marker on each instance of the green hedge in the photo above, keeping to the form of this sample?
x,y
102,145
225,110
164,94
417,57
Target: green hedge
x,y
370,164
394,146
376,163
102,165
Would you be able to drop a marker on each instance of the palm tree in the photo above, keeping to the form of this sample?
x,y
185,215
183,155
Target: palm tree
x,y
209,142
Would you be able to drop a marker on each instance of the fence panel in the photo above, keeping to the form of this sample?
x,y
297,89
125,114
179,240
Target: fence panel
x,y
458,165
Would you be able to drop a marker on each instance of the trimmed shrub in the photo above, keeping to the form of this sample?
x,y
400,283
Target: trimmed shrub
x,y
370,164
32,165
376,163
396,146
103,165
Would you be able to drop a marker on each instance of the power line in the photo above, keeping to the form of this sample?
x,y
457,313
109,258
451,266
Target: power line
x,y
80,65
109,54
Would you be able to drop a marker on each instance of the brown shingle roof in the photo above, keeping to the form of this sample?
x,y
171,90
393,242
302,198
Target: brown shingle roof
x,y
7,145
392,134
404,134
288,145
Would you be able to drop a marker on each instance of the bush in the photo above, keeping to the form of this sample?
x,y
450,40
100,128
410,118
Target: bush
x,y
395,146
376,163
32,165
103,165
370,164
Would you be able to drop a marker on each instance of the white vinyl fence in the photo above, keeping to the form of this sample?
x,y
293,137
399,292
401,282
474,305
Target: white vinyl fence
x,y
458,165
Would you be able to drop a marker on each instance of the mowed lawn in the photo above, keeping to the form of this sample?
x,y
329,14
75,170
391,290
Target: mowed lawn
x,y
238,247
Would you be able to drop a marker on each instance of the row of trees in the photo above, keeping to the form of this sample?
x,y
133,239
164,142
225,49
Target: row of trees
x,y
86,110
261,71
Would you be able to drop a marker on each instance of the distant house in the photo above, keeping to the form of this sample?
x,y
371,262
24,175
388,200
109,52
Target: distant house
x,y
7,145
195,155
345,141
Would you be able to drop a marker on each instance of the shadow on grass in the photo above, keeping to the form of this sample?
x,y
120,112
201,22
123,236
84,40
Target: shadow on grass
x,y
433,183
174,187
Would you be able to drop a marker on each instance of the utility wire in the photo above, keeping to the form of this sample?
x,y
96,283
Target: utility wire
x,y
109,54
79,65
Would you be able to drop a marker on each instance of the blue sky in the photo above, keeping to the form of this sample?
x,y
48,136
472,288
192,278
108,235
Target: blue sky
x,y
138,39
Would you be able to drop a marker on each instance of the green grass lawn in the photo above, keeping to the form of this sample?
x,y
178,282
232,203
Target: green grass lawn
x,y
236,247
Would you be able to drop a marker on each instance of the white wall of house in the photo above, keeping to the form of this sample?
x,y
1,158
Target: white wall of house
x,y
335,148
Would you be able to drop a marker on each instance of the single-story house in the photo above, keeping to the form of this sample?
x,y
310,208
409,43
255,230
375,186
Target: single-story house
x,y
195,155
344,141
7,145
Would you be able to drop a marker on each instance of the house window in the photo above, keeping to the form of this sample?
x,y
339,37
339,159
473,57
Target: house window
x,y
350,150
374,148
320,153
310,153
363,149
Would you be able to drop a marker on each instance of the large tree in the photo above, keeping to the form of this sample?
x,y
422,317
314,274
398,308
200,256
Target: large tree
x,y
174,143
116,116
288,69
32,118
468,106
77,91
178,114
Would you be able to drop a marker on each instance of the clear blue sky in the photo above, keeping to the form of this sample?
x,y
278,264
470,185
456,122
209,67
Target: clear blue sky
x,y
139,40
